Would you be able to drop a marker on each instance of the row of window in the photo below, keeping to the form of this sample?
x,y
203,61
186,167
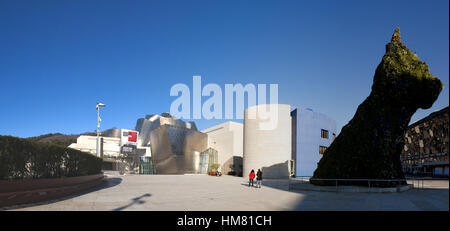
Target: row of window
x,y
324,134
425,160
322,149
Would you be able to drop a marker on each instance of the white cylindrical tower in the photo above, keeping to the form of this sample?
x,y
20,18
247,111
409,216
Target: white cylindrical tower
x,y
267,140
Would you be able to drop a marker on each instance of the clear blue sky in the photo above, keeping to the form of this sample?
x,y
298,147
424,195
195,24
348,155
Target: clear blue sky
x,y
58,58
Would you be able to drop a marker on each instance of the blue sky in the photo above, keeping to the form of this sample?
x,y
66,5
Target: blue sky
x,y
58,58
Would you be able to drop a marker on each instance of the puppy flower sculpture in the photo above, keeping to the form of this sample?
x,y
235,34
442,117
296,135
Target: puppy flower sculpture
x,y
369,146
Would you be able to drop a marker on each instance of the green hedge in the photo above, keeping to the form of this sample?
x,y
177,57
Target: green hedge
x,y
21,159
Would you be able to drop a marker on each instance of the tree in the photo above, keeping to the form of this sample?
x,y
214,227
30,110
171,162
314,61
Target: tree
x,y
215,166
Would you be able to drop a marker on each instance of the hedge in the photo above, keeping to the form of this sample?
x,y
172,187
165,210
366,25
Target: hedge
x,y
24,159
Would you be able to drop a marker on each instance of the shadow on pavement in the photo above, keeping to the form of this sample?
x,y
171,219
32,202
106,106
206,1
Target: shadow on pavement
x,y
136,200
246,185
429,198
107,183
277,184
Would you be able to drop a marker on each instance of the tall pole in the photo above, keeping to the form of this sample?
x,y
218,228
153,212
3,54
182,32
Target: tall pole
x,y
98,132
98,151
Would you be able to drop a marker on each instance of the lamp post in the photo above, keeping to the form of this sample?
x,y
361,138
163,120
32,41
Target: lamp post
x,y
98,128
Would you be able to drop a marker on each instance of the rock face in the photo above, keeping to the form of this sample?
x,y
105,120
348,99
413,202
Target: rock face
x,y
369,146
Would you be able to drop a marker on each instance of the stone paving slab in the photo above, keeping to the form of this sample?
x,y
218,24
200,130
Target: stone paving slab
x,y
228,193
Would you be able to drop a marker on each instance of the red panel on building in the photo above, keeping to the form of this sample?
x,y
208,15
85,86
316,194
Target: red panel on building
x,y
132,136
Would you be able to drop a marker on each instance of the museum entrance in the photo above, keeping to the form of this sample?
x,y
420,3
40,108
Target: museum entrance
x,y
146,166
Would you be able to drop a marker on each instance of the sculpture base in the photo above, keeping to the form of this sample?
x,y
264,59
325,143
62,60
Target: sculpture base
x,y
354,189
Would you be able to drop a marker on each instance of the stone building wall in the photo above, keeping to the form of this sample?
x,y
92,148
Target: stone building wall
x,y
426,145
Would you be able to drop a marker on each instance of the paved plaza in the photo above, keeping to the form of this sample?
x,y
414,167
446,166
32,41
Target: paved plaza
x,y
202,192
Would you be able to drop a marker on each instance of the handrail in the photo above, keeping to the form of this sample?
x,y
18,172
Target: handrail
x,y
356,179
420,181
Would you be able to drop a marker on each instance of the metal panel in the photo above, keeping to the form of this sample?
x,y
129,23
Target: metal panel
x,y
175,145
114,132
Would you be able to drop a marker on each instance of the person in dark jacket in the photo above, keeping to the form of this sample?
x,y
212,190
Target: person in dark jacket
x,y
251,177
258,178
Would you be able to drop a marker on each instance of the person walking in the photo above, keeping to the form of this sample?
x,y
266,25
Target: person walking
x,y
258,178
251,176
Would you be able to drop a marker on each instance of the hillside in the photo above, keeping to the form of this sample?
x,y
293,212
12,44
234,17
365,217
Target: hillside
x,y
61,139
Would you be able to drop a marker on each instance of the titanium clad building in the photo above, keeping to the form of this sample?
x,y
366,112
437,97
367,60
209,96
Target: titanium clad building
x,y
151,122
176,146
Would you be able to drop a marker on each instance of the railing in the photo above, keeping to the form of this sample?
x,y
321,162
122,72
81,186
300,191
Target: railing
x,y
417,183
420,182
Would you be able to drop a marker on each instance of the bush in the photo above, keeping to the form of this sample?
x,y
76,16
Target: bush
x,y
22,159
215,166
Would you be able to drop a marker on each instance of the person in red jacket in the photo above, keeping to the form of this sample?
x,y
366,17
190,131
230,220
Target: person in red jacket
x,y
251,176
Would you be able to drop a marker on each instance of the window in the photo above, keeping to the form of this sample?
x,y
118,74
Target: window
x,y
322,149
324,134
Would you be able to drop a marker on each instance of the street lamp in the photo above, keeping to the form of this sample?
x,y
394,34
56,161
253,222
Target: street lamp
x,y
98,128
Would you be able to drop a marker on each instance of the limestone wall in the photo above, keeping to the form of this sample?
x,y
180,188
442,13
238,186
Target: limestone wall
x,y
268,149
227,139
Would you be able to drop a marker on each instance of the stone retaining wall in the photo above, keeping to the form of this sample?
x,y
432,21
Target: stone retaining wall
x,y
16,192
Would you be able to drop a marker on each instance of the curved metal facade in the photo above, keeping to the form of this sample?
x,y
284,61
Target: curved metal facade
x,y
176,145
114,132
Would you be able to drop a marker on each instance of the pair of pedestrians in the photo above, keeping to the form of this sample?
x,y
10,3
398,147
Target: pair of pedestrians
x,y
258,178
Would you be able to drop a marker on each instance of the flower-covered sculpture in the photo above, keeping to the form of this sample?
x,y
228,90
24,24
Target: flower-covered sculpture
x,y
369,146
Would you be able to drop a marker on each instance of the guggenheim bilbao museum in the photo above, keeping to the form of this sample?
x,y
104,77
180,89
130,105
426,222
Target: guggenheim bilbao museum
x,y
168,145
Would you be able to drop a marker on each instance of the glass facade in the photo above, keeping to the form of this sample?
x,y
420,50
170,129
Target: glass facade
x,y
204,163
146,166
212,158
